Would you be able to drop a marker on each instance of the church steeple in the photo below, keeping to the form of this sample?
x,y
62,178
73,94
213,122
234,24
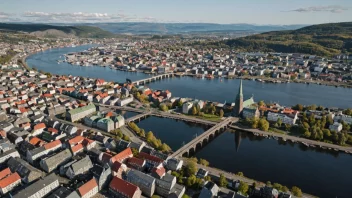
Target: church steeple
x,y
239,101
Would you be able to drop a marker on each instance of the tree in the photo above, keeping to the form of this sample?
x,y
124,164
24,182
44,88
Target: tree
x,y
348,112
222,181
150,136
203,162
194,110
165,148
191,180
243,188
163,107
191,168
185,196
240,174
296,191
126,138
277,186
207,178
263,124
135,152
180,103
268,183
298,107
142,133
221,113
284,189
261,103
279,122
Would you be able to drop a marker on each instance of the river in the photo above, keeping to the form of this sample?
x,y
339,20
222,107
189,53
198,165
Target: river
x,y
214,90
317,172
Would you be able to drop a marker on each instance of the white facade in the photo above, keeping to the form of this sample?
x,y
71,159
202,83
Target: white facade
x,y
186,107
336,127
347,119
273,117
125,101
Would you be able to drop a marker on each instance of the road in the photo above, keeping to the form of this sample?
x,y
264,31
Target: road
x,y
215,173
295,139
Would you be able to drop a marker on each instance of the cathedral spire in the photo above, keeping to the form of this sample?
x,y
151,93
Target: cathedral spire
x,y
239,101
240,93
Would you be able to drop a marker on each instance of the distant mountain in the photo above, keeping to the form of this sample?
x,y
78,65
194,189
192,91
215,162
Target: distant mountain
x,y
57,31
324,39
178,28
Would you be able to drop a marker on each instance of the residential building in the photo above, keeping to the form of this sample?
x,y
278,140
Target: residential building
x,y
81,112
106,124
165,184
174,164
102,174
121,188
10,182
51,163
79,167
40,188
286,119
145,182
186,107
8,154
125,101
337,127
27,172
122,156
136,163
209,190
88,189
177,191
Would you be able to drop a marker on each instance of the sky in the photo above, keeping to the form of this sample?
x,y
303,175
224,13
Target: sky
x,y
261,12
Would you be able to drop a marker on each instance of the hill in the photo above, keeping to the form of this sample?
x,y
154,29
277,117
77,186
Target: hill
x,y
325,40
57,31
181,28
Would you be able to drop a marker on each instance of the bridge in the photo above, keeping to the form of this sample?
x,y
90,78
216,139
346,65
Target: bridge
x,y
204,137
152,79
138,117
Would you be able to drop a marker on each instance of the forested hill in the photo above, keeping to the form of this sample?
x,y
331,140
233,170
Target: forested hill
x,y
57,31
325,40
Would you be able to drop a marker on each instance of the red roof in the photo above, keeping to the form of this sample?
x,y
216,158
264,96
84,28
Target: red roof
x,y
105,157
150,157
123,187
76,140
160,171
136,161
5,173
9,180
87,187
127,153
35,141
77,148
39,126
116,166
52,144
109,114
52,130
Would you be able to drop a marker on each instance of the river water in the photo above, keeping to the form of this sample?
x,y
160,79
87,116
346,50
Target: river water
x,y
319,173
214,90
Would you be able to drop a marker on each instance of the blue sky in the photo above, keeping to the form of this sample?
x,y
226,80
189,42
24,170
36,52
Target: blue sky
x,y
212,11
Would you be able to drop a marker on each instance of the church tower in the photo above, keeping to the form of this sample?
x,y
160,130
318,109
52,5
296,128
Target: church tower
x,y
239,102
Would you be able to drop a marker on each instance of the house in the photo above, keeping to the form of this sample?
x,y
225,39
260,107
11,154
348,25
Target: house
x,y
269,192
63,192
102,174
125,101
337,127
186,107
177,191
77,149
209,190
145,182
119,121
38,129
122,156
164,185
122,188
79,167
88,189
286,119
81,112
152,161
10,182
202,173
40,188
8,154
106,124
158,172
4,173
51,163
136,163
27,172
174,164
251,112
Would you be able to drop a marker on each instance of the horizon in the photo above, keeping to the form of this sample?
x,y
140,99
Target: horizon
x,y
225,12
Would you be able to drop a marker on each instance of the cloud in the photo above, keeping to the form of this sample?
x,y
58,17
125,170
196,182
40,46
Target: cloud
x,y
332,9
4,15
82,17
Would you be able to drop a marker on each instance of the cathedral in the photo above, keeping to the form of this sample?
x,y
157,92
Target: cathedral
x,y
247,108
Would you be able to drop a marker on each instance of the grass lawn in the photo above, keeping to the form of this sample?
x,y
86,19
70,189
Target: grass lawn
x,y
209,117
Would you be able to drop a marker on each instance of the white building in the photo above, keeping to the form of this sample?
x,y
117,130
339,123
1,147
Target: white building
x,y
347,119
273,117
125,101
336,127
9,183
186,107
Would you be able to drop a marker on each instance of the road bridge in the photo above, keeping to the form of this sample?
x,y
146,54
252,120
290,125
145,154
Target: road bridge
x,y
138,117
204,137
152,79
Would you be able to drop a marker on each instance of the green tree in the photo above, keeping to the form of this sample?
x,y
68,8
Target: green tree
x,y
142,133
194,110
221,113
277,186
268,183
191,168
179,103
279,122
191,180
296,191
203,162
263,124
222,181
163,107
150,136
261,103
243,188
298,107
207,178
185,196
240,174
284,189
135,152
165,148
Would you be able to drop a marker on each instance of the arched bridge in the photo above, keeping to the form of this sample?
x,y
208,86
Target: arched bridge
x,y
151,79
204,137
